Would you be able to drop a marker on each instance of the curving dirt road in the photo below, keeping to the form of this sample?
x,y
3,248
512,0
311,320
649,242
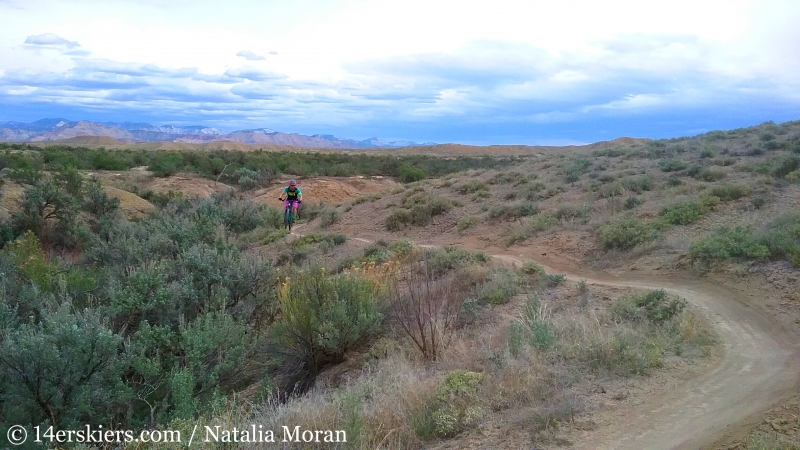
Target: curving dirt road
x,y
759,367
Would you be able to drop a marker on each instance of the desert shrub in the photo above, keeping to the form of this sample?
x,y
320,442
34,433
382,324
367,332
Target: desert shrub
x,y
408,174
623,354
401,248
472,186
730,191
710,175
421,208
632,202
513,210
442,260
625,234
706,153
328,218
532,268
554,279
724,162
498,288
784,167
456,404
248,179
609,152
166,164
759,202
694,170
726,243
674,181
671,165
683,213
654,306
426,309
64,370
321,318
568,212
512,178
782,237
638,184
377,252
49,211
575,169
467,222
398,219
530,227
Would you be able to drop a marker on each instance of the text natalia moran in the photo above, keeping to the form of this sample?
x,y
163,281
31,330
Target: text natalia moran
x,y
257,433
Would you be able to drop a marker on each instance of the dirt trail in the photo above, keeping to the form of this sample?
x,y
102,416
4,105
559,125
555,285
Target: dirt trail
x,y
759,367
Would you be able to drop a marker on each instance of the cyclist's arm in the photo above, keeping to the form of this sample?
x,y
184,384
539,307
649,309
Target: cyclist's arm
x,y
283,195
299,195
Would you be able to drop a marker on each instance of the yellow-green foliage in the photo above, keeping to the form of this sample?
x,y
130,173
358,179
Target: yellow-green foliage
x,y
322,316
457,403
31,260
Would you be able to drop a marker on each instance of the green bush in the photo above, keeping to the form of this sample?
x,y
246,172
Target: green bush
x,y
730,191
532,268
683,213
322,317
467,222
472,186
408,174
398,219
710,175
512,210
328,218
625,234
727,243
166,164
786,166
632,202
654,306
442,260
575,169
457,404
65,370
498,288
567,212
671,165
638,184
531,227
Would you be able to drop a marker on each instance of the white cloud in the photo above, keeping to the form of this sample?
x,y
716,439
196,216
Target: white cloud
x,y
250,56
384,63
50,39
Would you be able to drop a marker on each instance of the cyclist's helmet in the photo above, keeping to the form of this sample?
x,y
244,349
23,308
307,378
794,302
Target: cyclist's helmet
x,y
293,183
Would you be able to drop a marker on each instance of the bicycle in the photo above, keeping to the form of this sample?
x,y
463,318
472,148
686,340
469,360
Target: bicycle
x,y
288,217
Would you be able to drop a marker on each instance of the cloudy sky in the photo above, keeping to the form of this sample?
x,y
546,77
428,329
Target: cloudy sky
x,y
481,72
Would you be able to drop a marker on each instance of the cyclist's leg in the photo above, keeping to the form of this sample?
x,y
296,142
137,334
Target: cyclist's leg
x,y
294,208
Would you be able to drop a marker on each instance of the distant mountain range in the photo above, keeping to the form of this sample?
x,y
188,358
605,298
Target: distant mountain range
x,y
60,129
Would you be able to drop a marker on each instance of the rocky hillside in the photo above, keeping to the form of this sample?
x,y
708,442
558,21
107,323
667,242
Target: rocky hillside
x,y
61,129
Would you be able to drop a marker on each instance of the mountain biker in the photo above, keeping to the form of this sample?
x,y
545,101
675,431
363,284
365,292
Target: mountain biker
x,y
292,195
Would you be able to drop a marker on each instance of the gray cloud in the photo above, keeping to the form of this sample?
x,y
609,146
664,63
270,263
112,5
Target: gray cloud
x,y
50,39
250,56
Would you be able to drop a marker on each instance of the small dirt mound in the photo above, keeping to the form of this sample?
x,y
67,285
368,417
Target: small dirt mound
x,y
188,185
329,190
131,204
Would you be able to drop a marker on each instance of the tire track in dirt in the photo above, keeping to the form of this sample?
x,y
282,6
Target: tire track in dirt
x,y
759,367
